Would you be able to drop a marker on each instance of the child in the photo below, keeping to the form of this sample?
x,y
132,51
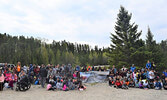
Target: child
x,y
124,84
157,84
165,84
111,81
131,83
118,84
65,88
81,87
49,87
136,84
36,81
59,84
145,85
51,81
141,86
12,80
71,85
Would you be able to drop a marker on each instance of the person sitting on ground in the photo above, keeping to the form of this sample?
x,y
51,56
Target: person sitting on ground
x,y
165,84
157,84
118,84
71,85
163,78
81,87
59,84
141,85
49,87
127,82
131,83
137,84
65,88
124,84
146,85
52,82
111,81
12,80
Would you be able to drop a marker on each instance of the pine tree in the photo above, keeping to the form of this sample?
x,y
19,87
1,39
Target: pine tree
x,y
124,40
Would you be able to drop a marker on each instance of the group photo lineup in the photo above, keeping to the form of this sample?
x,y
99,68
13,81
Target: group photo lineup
x,y
83,50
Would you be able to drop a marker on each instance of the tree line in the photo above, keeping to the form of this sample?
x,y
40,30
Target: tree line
x,y
37,51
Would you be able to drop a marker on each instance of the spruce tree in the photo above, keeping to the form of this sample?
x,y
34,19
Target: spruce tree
x,y
125,39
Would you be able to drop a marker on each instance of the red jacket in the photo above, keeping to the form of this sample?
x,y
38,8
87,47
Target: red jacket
x,y
118,83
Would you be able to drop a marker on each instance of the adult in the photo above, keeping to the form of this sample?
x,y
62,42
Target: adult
x,y
153,65
36,71
165,73
148,65
31,73
123,68
25,68
2,78
18,68
114,69
43,75
133,68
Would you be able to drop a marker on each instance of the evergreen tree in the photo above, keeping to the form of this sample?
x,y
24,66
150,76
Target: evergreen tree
x,y
124,41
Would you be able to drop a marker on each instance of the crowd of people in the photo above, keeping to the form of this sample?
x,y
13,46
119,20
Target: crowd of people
x,y
56,77
65,77
144,78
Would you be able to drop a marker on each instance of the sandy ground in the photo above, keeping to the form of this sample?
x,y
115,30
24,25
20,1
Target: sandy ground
x,y
100,91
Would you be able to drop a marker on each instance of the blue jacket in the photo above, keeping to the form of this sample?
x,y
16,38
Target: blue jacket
x,y
148,65
132,69
165,73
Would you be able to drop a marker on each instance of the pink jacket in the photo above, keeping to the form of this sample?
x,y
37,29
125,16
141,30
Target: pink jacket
x,y
2,78
8,76
64,87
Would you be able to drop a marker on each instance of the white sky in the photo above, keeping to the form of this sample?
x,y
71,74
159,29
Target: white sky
x,y
81,21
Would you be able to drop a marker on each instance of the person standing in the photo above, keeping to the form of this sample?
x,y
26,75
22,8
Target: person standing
x,y
148,65
18,68
133,68
43,75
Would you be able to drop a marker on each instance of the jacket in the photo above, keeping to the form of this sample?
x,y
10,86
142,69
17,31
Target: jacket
x,y
43,72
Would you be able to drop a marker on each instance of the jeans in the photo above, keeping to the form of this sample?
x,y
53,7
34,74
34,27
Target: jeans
x,y
43,80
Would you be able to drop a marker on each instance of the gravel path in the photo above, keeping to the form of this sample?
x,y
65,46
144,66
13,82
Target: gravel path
x,y
100,91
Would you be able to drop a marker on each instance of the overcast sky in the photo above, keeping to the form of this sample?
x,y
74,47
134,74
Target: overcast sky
x,y
81,21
